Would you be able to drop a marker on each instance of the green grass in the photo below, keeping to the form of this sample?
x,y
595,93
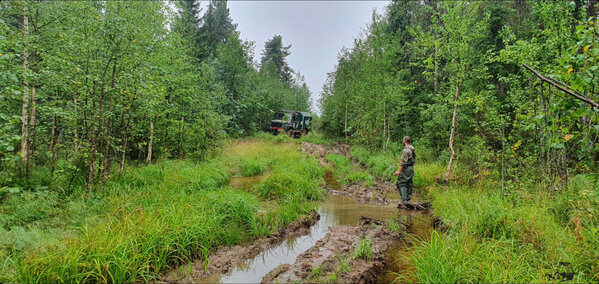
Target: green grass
x,y
364,249
524,237
316,271
155,217
529,235
384,165
393,224
347,173
343,264
314,137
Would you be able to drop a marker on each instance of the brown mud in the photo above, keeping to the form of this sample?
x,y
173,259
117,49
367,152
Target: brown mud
x,y
323,262
375,193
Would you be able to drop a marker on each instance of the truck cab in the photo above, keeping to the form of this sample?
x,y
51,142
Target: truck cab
x,y
293,123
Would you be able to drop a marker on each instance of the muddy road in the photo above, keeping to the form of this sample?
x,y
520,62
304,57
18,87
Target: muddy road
x,y
324,246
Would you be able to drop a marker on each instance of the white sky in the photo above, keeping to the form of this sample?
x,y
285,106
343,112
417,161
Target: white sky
x,y
317,30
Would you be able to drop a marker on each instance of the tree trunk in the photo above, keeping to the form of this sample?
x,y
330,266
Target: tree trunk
x,y
502,159
52,144
124,147
436,72
31,139
384,126
94,143
181,136
24,109
76,146
345,127
388,129
92,162
149,157
107,158
453,130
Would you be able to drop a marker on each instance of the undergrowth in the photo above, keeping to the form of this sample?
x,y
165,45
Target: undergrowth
x,y
530,235
155,217
384,165
346,173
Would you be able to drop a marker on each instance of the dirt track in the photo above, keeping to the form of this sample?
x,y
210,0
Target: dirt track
x,y
374,194
225,258
322,262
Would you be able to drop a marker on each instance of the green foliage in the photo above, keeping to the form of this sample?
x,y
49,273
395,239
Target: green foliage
x,y
150,219
275,57
364,249
346,173
316,271
530,233
380,164
252,168
403,76
25,208
333,277
314,137
343,264
393,224
156,82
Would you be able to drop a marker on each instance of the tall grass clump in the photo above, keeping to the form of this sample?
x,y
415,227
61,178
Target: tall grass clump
x,y
155,217
345,172
314,137
294,185
364,249
522,237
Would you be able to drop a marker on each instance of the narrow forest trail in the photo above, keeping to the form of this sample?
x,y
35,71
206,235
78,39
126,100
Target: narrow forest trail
x,y
321,247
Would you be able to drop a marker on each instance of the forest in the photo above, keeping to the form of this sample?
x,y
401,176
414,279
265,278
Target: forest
x,y
133,146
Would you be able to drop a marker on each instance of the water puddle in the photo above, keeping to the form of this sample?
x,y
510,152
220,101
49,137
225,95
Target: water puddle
x,y
331,181
245,183
335,210
399,264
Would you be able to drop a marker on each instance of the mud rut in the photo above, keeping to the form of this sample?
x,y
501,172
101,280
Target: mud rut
x,y
320,247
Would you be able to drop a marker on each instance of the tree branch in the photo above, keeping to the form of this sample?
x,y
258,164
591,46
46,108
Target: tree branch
x,y
563,87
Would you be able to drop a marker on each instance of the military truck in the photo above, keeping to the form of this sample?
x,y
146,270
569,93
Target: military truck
x,y
292,123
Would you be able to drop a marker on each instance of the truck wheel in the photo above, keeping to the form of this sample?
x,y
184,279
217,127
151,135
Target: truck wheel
x,y
290,133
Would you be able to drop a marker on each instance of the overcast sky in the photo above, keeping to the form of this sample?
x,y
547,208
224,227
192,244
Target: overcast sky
x,y
317,30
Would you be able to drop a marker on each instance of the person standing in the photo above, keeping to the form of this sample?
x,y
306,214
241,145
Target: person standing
x,y
406,170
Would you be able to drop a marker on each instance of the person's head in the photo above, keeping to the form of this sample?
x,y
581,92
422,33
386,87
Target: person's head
x,y
407,140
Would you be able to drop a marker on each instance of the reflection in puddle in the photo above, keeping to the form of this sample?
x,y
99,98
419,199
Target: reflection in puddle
x,y
334,211
399,264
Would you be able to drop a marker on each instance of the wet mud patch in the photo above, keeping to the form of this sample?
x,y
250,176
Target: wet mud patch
x,y
373,194
246,183
226,258
361,193
334,258
400,268
416,206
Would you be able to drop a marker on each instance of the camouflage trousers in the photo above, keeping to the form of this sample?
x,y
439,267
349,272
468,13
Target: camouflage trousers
x,y
404,183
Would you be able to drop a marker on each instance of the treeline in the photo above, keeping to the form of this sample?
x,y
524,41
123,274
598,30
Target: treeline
x,y
87,86
449,74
